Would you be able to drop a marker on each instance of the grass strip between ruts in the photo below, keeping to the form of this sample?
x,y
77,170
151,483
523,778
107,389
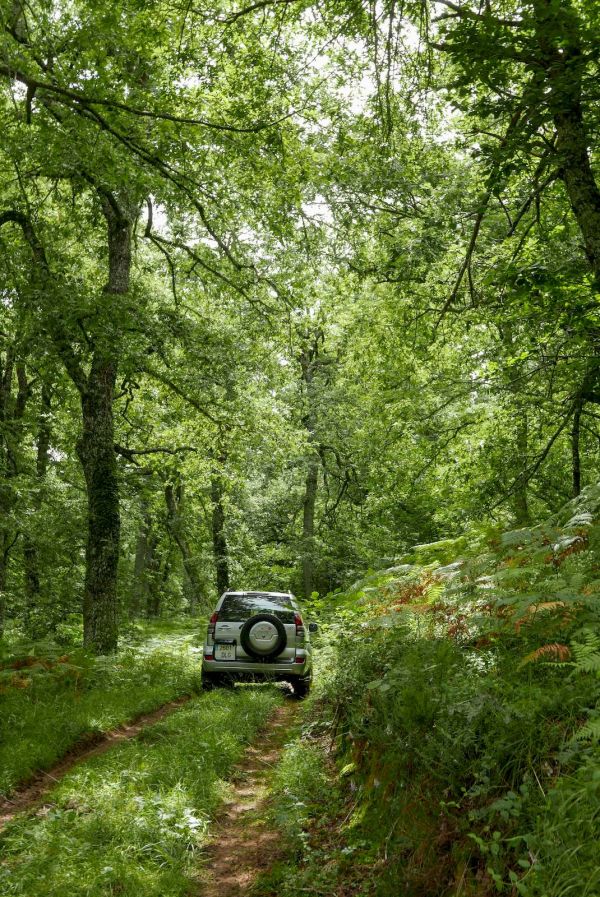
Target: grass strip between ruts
x,y
128,822
39,723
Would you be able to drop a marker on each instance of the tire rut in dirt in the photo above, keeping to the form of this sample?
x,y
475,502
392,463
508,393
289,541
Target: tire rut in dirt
x,y
243,845
29,795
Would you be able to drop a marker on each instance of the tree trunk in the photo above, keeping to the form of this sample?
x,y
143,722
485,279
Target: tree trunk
x,y
557,33
6,372
143,559
96,452
517,464
575,453
30,551
155,582
309,359
95,447
176,526
4,553
219,538
12,408
308,528
520,498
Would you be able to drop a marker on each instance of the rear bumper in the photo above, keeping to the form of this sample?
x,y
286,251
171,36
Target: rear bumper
x,y
240,670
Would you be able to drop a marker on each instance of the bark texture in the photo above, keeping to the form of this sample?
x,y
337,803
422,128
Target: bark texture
x,y
308,528
96,449
143,559
309,360
33,588
559,41
177,529
219,538
14,393
96,452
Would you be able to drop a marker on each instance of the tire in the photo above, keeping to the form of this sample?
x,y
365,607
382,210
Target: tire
x,y
301,686
210,681
274,648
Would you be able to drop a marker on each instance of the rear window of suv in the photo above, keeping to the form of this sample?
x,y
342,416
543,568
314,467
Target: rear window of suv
x,y
238,608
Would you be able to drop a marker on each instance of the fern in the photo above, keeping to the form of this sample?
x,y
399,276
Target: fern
x,y
586,652
589,732
555,652
435,591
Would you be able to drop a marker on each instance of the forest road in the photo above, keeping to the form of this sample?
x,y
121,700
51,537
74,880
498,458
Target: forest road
x,y
243,844
31,794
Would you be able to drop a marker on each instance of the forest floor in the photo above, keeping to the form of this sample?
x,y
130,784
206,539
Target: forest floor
x,y
58,702
244,843
174,804
31,794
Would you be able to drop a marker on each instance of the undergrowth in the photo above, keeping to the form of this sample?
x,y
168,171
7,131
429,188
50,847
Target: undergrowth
x,y
129,822
51,698
463,710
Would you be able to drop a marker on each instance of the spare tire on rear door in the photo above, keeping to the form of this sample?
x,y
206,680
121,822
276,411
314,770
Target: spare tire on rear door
x,y
263,636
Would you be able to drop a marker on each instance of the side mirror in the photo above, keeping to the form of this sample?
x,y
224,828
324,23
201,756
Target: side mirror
x,y
313,627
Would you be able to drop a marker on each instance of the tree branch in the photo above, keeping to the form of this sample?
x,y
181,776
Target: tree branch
x,y
166,381
130,453
59,337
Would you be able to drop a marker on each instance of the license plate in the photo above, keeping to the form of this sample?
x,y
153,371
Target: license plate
x,y
224,652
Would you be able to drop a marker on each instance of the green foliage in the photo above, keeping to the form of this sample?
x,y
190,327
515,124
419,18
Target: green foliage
x,y
48,702
460,761
353,315
562,845
133,819
300,788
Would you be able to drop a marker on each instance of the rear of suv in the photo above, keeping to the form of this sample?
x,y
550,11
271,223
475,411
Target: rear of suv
x,y
258,636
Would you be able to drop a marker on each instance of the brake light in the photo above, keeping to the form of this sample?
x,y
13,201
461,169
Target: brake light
x,y
299,659
299,626
211,625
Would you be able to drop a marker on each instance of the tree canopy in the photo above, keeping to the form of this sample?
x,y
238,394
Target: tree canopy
x,y
286,288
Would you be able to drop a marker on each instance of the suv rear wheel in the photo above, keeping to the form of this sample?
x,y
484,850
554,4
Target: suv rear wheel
x,y
301,686
215,680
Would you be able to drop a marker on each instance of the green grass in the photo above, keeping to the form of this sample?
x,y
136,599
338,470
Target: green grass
x,y
47,707
305,800
129,822
464,709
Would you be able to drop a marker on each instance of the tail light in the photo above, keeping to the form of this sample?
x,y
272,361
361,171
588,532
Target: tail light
x,y
299,626
211,624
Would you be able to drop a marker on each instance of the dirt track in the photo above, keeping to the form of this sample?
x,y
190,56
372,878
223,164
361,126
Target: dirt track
x,y
242,844
31,794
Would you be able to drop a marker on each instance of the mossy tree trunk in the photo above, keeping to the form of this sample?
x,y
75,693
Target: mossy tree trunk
x,y
96,452
33,589
96,387
219,537
177,528
12,409
142,569
565,67
309,363
96,446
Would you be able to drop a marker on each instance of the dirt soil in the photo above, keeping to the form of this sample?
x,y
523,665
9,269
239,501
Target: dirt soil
x,y
31,794
243,845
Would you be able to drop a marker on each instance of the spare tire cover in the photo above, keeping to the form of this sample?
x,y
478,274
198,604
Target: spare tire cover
x,y
263,636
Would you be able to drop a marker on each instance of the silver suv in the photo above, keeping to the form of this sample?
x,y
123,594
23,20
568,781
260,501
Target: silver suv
x,y
258,636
